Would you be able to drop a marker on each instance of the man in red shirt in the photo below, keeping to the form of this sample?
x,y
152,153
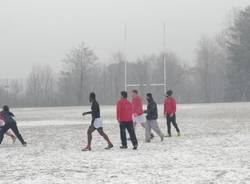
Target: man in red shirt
x,y
124,117
169,112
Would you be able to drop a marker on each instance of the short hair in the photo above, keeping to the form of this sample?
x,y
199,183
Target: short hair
x,y
92,95
124,94
149,95
135,91
6,108
169,92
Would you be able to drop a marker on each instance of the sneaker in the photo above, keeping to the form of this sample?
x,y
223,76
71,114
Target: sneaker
x,y
13,140
123,147
162,138
152,136
109,146
24,144
178,134
168,136
135,147
86,149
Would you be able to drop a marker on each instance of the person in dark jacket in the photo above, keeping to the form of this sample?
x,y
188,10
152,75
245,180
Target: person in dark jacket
x,y
152,116
96,123
124,117
9,133
10,123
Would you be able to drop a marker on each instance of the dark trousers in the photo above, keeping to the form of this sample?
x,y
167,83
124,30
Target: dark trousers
x,y
173,121
11,125
130,128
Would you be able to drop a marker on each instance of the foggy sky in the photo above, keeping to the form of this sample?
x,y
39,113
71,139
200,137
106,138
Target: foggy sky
x,y
35,32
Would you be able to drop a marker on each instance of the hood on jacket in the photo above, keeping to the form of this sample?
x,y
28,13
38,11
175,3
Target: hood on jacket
x,y
149,97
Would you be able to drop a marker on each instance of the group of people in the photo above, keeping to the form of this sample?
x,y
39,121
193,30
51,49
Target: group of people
x,y
129,114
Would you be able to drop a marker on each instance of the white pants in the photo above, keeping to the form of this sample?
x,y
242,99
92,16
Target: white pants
x,y
98,123
139,119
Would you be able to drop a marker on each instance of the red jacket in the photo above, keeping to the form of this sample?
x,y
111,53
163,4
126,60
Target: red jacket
x,y
1,116
124,110
137,106
169,105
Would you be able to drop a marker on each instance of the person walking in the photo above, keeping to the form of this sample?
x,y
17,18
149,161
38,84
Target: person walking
x,y
96,123
10,123
137,107
152,116
124,117
170,112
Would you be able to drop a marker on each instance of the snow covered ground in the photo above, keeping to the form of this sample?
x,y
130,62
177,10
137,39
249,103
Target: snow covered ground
x,y
214,148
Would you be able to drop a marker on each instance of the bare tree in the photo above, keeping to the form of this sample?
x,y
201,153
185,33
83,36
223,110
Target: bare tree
x,y
238,45
40,86
78,73
210,70
16,89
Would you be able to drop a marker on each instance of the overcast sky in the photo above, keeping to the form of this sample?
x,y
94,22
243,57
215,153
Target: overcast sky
x,y
42,31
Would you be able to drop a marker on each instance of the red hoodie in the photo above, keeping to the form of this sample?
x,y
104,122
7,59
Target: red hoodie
x,y
1,116
124,110
137,105
169,105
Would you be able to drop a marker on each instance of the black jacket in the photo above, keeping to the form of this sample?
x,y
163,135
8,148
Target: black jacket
x,y
152,112
7,116
95,110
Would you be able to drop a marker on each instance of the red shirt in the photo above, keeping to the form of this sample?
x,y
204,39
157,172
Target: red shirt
x,y
137,105
124,110
169,105
1,116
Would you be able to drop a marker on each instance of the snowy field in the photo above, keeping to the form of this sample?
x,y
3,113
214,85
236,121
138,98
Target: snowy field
x,y
214,148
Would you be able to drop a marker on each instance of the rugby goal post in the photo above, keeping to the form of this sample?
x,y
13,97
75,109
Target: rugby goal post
x,y
161,84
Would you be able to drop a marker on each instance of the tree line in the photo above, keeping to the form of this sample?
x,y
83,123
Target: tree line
x,y
220,74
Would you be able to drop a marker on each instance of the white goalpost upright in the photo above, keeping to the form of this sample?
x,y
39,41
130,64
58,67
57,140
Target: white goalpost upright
x,y
125,52
164,83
